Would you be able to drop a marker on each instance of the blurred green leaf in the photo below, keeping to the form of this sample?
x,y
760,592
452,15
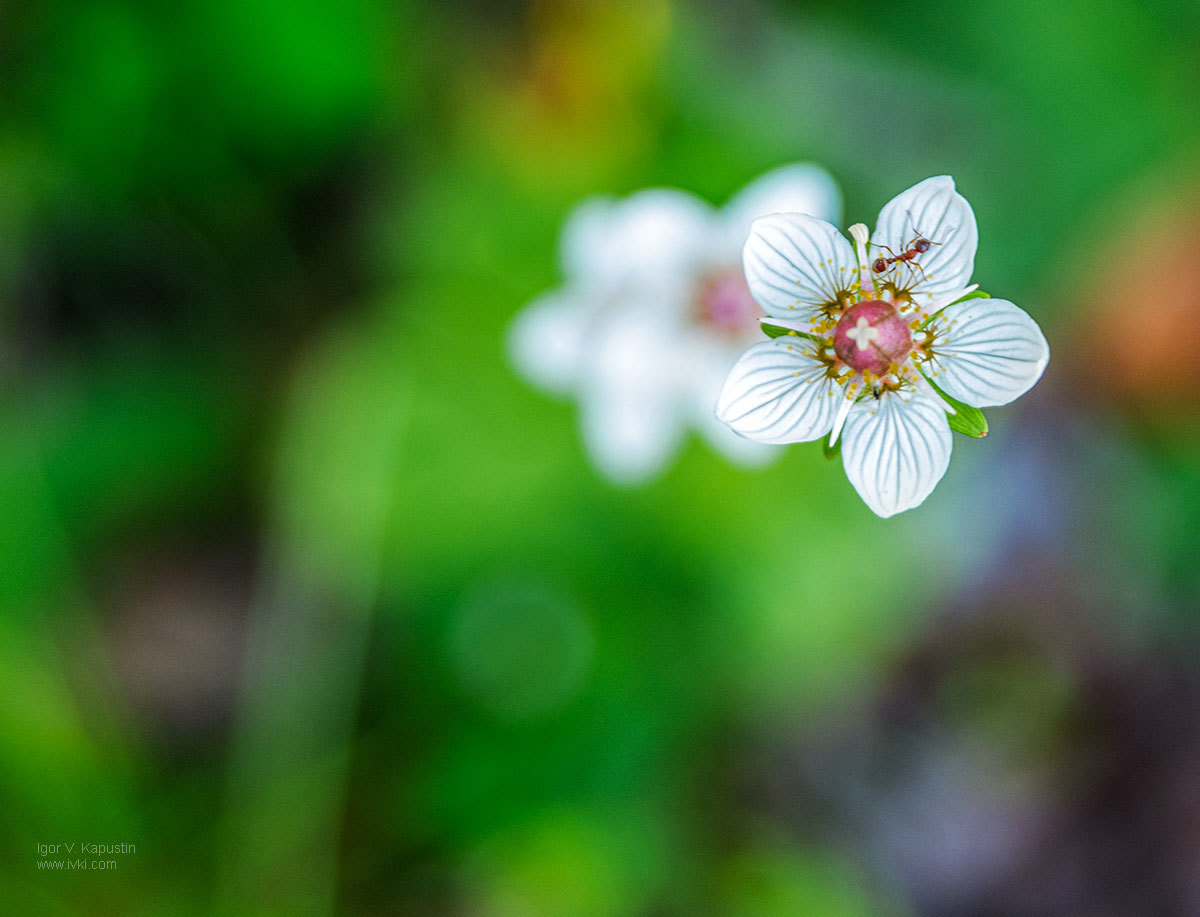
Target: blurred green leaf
x,y
776,878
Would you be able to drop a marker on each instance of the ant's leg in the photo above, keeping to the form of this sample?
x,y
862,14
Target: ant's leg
x,y
890,260
914,266
921,235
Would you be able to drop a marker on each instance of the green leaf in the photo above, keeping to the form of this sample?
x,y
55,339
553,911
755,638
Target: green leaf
x,y
969,421
831,452
774,331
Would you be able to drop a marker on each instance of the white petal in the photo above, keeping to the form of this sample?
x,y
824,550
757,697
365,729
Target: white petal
x,y
937,305
797,188
940,214
630,393
737,449
988,352
921,384
707,373
777,392
586,232
843,411
629,439
797,263
653,236
895,450
545,341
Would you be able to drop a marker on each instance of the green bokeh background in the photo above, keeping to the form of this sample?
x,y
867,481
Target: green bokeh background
x,y
308,596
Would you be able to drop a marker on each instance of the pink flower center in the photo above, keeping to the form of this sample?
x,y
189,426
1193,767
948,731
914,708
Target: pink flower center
x,y
724,303
871,337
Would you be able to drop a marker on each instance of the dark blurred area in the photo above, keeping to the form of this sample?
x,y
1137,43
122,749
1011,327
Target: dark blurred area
x,y
308,598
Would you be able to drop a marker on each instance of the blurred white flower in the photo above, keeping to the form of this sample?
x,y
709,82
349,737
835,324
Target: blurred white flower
x,y
867,334
653,313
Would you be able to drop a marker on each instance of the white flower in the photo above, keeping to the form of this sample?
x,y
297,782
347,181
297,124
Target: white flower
x,y
868,333
653,313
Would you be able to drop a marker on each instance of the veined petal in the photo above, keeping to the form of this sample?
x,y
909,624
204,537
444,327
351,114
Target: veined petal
x,y
987,352
935,211
936,305
895,450
796,188
796,263
545,341
778,392
653,234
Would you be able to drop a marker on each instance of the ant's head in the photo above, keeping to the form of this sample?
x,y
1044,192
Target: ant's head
x,y
880,265
922,245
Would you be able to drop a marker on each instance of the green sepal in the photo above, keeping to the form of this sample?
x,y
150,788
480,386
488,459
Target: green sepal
x,y
774,331
968,421
831,452
974,294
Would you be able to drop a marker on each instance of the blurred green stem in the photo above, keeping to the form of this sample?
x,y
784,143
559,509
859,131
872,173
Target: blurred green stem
x,y
308,632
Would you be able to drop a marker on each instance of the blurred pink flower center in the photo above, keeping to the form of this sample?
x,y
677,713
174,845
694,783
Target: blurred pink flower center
x,y
724,303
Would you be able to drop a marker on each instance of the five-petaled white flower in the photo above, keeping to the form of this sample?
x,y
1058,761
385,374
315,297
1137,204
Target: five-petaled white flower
x,y
654,312
870,328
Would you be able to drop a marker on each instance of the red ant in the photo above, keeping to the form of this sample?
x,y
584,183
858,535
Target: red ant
x,y
917,246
